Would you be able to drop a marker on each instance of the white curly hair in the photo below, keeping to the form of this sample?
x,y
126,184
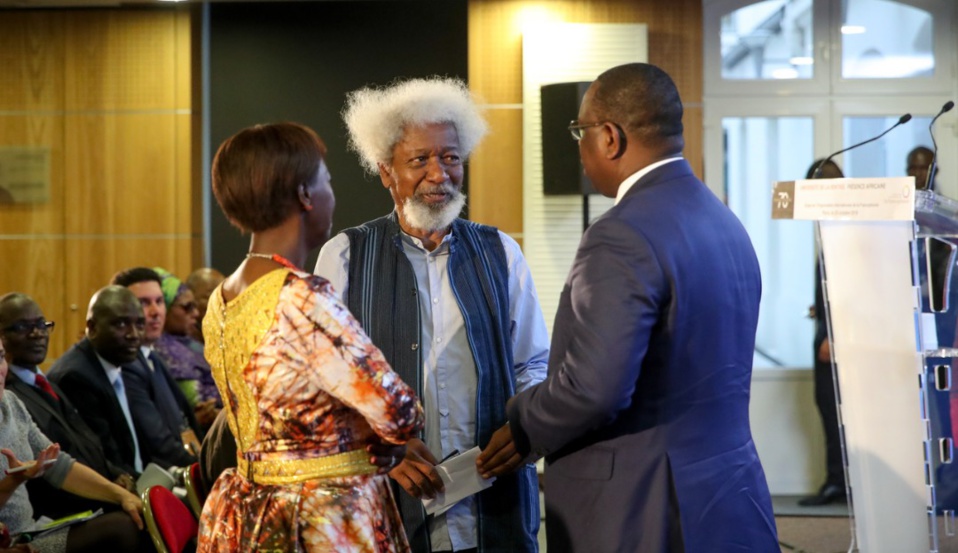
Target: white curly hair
x,y
376,117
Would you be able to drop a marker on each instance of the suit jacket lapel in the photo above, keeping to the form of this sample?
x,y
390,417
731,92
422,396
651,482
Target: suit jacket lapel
x,y
99,376
33,397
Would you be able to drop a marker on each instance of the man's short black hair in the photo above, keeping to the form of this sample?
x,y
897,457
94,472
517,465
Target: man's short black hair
x,y
129,277
644,100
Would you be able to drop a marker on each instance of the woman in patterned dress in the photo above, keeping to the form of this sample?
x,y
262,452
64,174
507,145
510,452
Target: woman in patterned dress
x,y
318,415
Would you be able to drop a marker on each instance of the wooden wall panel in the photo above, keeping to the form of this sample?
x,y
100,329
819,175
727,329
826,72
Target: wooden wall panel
x,y
41,130
183,184
123,173
31,55
495,73
97,259
120,59
110,92
495,187
34,266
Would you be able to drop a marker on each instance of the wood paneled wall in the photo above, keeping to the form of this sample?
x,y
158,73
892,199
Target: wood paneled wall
x,y
109,92
495,74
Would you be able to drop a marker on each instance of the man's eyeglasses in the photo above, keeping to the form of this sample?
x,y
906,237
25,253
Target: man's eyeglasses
x,y
577,129
26,327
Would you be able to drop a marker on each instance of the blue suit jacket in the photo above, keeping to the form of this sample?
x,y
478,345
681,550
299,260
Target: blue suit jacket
x,y
644,415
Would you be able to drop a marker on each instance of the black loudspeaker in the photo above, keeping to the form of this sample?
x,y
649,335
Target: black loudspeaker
x,y
561,168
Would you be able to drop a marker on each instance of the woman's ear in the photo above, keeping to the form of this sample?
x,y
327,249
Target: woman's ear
x,y
304,198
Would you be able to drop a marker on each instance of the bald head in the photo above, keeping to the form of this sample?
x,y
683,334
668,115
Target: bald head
x,y
202,282
115,324
12,306
204,279
24,330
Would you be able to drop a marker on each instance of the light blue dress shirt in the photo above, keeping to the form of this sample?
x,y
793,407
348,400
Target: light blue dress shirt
x,y
449,369
115,377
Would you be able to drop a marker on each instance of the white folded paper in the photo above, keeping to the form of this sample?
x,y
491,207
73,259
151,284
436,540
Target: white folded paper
x,y
461,479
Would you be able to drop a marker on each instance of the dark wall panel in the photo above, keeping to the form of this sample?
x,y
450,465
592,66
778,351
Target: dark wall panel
x,y
295,61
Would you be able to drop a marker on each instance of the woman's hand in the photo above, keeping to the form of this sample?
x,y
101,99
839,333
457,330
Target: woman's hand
x,y
132,505
34,468
386,456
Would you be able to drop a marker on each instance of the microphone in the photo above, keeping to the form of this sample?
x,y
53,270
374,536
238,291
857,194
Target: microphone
x,y
930,177
901,121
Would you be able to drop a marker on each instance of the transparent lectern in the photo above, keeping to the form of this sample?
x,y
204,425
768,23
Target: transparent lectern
x,y
887,253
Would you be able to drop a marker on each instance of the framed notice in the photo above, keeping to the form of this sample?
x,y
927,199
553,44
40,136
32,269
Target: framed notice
x,y
24,174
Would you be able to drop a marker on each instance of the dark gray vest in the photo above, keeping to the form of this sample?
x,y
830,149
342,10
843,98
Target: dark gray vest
x,y
382,295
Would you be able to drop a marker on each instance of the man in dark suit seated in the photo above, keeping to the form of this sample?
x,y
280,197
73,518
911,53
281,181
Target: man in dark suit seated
x,y
25,334
92,373
168,437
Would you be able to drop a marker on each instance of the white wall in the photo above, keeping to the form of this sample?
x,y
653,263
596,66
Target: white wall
x,y
787,430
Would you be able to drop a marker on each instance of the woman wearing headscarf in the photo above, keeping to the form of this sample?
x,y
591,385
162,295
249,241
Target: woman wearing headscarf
x,y
182,354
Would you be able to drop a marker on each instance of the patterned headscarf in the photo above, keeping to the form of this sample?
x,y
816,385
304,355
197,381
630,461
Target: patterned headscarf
x,y
172,286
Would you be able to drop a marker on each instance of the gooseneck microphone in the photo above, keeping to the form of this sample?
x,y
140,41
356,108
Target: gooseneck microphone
x,y
901,121
930,177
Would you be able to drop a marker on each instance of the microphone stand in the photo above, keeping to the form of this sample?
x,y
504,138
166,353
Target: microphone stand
x,y
930,177
901,121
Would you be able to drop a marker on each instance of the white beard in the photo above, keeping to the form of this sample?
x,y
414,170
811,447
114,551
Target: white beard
x,y
421,216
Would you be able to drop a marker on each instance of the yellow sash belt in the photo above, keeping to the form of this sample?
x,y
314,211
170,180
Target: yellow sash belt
x,y
288,471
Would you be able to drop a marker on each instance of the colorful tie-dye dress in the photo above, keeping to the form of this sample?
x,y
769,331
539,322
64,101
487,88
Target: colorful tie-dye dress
x,y
306,392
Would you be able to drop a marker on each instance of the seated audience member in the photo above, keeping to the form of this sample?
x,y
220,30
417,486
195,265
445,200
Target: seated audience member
x,y
202,282
93,374
21,440
168,439
25,334
182,354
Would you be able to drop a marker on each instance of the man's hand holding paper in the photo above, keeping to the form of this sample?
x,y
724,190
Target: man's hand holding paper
x,y
460,478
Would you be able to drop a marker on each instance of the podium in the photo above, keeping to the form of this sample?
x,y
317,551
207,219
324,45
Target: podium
x,y
886,251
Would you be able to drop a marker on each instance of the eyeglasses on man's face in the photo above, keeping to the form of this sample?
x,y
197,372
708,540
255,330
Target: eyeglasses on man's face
x,y
42,326
578,129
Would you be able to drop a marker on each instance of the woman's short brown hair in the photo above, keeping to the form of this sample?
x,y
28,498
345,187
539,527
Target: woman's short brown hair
x,y
257,171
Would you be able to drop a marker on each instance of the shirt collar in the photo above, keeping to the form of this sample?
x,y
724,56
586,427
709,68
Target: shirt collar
x,y
634,177
112,371
25,374
416,242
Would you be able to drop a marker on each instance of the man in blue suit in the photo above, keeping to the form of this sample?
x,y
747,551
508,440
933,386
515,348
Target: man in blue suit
x,y
643,418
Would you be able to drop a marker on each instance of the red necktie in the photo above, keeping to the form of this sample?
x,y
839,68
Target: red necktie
x,y
44,385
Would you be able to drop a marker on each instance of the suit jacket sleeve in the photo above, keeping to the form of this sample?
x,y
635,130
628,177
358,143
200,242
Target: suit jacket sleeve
x,y
157,442
608,308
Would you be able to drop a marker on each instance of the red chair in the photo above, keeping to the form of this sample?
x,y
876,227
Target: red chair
x,y
195,490
171,525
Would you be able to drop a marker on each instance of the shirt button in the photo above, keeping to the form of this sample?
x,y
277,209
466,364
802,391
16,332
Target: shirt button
x,y
438,340
442,386
435,300
415,347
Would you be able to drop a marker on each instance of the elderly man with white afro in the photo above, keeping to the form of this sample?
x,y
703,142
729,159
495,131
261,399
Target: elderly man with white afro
x,y
376,117
451,305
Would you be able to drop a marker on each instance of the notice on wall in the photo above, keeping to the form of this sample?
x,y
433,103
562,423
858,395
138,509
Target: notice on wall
x,y
24,174
863,199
